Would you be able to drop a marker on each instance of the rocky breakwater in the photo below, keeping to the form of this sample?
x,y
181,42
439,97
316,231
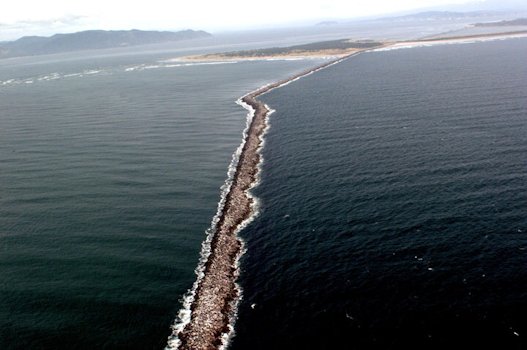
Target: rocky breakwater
x,y
215,299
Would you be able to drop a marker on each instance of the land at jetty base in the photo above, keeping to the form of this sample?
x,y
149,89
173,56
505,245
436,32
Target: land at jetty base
x,y
340,48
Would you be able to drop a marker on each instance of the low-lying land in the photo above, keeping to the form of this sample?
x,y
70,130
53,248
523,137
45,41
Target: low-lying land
x,y
333,48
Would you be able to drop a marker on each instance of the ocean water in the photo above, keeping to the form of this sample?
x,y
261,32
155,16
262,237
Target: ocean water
x,y
110,174
393,205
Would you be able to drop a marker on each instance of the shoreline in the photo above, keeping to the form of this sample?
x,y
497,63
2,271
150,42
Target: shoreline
x,y
330,54
471,36
212,304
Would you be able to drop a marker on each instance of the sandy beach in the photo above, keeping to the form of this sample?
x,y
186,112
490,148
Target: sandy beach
x,y
340,53
330,54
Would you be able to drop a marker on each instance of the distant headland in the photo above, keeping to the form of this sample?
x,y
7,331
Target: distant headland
x,y
92,39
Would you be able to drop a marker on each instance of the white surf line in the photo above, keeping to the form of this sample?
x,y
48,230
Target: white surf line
x,y
185,313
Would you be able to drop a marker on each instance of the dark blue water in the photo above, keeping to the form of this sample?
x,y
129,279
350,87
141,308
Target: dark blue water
x,y
110,173
393,205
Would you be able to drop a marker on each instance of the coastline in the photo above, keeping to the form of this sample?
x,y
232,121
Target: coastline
x,y
210,308
296,55
337,54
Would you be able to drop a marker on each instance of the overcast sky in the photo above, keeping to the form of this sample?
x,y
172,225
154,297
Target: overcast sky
x,y
45,17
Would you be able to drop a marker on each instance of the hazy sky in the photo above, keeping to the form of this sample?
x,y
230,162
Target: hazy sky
x,y
44,17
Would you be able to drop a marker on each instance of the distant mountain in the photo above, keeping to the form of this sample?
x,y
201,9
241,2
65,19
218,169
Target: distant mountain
x,y
514,22
440,15
92,39
327,23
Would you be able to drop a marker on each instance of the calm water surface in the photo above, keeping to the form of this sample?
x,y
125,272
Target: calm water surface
x,y
393,205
